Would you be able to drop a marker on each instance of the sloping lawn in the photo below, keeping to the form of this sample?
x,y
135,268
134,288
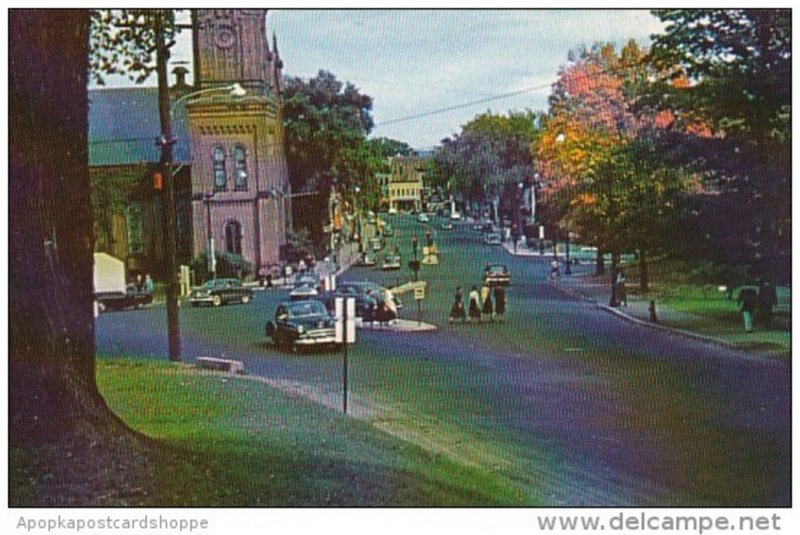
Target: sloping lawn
x,y
230,441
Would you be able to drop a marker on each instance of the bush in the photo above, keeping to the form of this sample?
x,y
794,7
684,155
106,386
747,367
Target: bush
x,y
228,265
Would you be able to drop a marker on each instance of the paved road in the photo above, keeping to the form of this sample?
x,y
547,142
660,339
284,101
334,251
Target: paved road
x,y
569,405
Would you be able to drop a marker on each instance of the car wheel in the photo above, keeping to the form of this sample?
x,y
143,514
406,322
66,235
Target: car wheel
x,y
245,299
216,300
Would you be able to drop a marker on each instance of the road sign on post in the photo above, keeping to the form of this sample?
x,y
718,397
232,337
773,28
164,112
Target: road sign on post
x,y
345,310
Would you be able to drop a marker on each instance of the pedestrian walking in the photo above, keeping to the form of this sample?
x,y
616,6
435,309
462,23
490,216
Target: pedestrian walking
x,y
767,299
486,298
149,285
269,281
301,266
140,282
555,270
500,302
749,303
622,290
457,311
474,304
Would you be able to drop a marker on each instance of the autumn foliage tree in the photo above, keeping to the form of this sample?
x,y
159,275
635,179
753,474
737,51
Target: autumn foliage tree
x,y
597,155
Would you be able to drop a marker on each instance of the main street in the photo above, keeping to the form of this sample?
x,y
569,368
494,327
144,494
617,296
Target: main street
x,y
563,402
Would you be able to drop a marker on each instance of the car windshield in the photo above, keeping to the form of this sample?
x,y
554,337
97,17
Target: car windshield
x,y
303,309
220,283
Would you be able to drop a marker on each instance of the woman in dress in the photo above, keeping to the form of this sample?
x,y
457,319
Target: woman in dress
x,y
474,304
486,299
457,312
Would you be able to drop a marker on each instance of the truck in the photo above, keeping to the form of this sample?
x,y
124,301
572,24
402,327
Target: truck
x,y
111,290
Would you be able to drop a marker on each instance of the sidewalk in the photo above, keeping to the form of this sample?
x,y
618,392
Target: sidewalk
x,y
699,327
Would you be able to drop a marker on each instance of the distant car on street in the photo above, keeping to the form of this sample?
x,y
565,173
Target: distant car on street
x,y
447,225
376,244
423,217
301,324
366,260
388,230
391,262
455,216
218,292
496,274
492,238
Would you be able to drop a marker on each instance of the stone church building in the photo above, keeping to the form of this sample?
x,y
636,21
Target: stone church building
x,y
232,187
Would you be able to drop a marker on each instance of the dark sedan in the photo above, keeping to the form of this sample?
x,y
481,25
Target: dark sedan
x,y
217,292
301,324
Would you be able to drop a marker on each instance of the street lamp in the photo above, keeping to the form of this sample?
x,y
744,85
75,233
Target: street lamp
x,y
235,90
568,268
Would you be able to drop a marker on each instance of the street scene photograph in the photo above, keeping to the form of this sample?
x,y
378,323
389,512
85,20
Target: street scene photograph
x,y
399,258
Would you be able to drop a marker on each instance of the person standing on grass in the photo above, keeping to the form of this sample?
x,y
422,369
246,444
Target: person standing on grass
x,y
486,299
500,302
149,285
767,299
749,303
622,290
457,312
555,271
474,304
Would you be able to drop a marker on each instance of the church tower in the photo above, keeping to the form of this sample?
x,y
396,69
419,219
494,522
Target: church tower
x,y
240,186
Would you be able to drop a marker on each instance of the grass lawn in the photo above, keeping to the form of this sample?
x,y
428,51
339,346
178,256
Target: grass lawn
x,y
701,307
232,441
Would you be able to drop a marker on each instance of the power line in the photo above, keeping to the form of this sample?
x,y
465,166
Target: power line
x,y
464,105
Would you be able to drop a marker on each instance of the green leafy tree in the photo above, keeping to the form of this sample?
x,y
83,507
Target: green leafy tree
x,y
326,124
735,69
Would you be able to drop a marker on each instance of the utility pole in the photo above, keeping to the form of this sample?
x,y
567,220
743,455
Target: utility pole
x,y
166,141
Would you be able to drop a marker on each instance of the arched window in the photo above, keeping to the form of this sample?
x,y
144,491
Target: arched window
x,y
220,178
240,163
233,237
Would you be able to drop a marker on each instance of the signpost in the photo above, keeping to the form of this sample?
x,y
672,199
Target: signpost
x,y
345,310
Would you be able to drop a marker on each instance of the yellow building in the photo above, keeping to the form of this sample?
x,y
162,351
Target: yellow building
x,y
406,183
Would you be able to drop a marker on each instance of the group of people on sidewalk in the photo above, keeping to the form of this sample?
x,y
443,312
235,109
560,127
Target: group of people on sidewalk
x,y
488,304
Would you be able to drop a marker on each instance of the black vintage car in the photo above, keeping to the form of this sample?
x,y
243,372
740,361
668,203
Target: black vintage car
x,y
217,292
301,324
132,298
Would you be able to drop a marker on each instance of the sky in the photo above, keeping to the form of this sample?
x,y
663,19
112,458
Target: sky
x,y
412,62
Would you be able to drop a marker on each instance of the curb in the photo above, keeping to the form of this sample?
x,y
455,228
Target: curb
x,y
664,328
643,323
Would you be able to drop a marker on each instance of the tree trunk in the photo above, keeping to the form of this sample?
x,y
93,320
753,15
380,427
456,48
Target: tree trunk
x,y
52,369
644,274
600,263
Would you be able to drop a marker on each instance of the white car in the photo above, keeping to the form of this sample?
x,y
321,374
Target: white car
x,y
492,238
392,211
423,218
455,216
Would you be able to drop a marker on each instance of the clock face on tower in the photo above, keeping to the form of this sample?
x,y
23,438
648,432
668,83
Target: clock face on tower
x,y
224,36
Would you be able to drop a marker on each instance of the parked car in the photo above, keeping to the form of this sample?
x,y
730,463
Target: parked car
x,y
391,262
455,216
132,298
496,274
422,217
376,244
301,324
392,211
217,292
492,238
447,225
366,260
388,230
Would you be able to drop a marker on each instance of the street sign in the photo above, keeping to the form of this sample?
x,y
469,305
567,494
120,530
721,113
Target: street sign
x,y
419,292
345,316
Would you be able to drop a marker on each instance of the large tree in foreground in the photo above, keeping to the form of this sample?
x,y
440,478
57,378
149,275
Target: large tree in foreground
x,y
54,403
